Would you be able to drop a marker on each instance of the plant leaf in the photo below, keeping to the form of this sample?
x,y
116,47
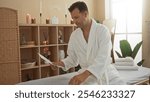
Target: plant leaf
x,y
136,49
118,54
125,48
141,62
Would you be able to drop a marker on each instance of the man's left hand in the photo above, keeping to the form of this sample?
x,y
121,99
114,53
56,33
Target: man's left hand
x,y
78,79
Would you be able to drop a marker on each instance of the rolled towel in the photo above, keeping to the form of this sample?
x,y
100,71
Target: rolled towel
x,y
124,63
127,59
126,67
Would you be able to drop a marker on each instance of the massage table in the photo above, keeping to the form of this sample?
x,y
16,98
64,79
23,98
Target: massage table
x,y
131,77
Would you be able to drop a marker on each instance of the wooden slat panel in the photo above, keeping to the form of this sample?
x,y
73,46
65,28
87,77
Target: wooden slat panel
x,y
9,73
9,51
8,18
9,47
8,34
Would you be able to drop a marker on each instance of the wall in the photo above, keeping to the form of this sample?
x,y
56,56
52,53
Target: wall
x,y
146,33
100,10
51,8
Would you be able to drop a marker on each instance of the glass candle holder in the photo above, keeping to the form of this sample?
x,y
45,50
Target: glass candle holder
x,y
33,20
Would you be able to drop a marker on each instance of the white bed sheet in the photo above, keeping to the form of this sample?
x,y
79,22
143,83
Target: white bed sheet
x,y
129,76
134,76
54,80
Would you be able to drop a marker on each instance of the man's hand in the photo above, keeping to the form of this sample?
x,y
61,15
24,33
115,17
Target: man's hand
x,y
54,65
78,79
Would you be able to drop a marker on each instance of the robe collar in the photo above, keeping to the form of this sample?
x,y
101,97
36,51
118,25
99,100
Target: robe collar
x,y
91,38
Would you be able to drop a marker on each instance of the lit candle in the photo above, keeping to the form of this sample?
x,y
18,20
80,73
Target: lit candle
x,y
28,18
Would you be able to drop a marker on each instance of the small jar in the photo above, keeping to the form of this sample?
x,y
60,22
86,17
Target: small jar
x,y
54,20
23,40
61,54
45,42
47,21
71,22
33,20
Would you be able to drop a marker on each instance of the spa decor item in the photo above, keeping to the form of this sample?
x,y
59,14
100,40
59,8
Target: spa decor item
x,y
126,50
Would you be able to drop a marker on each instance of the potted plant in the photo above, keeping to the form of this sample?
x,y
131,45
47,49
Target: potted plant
x,y
127,51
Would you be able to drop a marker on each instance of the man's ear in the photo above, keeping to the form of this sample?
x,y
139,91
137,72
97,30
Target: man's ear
x,y
86,13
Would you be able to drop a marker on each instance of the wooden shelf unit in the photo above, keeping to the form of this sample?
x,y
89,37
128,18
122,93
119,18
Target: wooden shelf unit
x,y
45,37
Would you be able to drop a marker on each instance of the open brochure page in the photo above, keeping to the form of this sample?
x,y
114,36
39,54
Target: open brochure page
x,y
48,61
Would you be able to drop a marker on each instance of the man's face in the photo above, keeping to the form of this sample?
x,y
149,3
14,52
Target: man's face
x,y
79,18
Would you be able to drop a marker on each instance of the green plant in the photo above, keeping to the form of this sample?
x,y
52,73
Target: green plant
x,y
127,51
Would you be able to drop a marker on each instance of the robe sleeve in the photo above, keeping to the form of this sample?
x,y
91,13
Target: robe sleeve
x,y
103,58
71,60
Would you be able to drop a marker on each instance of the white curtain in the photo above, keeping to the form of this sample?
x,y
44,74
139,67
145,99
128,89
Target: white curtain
x,y
128,14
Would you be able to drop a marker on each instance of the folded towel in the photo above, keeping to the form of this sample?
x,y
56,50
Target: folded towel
x,y
127,59
126,67
124,63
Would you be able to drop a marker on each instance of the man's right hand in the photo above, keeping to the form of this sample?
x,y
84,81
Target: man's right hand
x,y
56,65
53,66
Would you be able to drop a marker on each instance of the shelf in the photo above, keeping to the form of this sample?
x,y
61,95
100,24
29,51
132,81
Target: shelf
x,y
65,44
34,67
48,40
48,45
28,25
28,46
45,65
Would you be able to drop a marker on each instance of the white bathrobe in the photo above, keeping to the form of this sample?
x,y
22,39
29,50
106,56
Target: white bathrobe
x,y
93,56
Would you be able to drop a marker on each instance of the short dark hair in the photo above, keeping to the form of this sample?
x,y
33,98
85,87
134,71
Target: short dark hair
x,y
79,5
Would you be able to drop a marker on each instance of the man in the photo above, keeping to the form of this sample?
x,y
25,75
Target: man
x,y
90,46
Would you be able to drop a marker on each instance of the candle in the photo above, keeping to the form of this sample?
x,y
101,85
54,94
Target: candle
x,y
28,18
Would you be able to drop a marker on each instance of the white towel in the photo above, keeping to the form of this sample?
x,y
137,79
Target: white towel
x,y
127,67
127,59
124,63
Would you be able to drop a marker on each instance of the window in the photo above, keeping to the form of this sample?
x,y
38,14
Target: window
x,y
128,14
